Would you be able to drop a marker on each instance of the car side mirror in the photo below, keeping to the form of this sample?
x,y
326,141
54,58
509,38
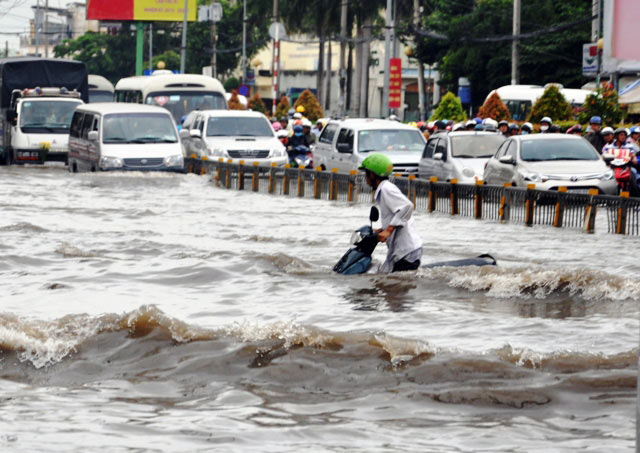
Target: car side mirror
x,y
344,148
508,159
93,136
437,156
195,133
374,214
184,133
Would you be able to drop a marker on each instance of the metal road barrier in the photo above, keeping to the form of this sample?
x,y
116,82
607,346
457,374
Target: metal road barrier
x,y
560,209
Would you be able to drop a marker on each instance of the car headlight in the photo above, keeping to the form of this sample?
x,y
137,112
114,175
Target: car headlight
x,y
533,177
107,162
607,175
468,172
278,152
174,161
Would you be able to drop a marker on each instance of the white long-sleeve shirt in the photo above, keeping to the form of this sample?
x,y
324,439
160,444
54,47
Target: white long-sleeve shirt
x,y
396,210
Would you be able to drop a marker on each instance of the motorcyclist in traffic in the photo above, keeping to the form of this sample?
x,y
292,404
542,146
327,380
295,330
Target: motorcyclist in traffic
x,y
623,150
595,138
404,246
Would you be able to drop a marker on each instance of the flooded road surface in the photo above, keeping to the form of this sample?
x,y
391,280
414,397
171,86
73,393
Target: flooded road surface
x,y
152,312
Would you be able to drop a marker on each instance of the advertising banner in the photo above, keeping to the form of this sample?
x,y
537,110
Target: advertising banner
x,y
395,83
143,10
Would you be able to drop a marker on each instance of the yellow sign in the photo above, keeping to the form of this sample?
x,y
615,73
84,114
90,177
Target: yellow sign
x,y
169,10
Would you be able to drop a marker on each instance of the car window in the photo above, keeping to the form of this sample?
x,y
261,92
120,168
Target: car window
x,y
390,140
557,149
441,148
328,133
230,126
430,148
345,136
501,150
512,149
475,146
86,125
76,124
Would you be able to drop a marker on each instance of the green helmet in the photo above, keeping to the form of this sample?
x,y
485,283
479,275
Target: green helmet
x,y
377,163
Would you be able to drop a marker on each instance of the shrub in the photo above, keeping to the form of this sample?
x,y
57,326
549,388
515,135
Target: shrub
x,y
255,103
553,104
449,108
602,102
494,108
312,108
234,103
283,107
231,84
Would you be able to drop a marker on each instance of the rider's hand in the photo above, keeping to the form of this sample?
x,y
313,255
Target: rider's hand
x,y
384,234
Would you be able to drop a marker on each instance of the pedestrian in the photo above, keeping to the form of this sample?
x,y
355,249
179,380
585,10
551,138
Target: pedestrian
x,y
545,125
595,138
404,246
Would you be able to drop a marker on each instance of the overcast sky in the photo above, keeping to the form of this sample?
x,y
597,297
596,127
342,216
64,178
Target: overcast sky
x,y
14,18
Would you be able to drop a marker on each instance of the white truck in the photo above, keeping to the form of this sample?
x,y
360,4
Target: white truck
x,y
38,97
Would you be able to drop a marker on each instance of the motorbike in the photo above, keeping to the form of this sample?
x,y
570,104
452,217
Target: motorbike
x,y
283,136
300,156
358,259
621,165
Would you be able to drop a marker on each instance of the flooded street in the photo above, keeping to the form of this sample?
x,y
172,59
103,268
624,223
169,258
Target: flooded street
x,y
156,312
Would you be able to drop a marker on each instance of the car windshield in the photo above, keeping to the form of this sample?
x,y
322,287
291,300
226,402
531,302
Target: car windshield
x,y
475,146
52,115
138,128
181,103
390,140
557,149
236,126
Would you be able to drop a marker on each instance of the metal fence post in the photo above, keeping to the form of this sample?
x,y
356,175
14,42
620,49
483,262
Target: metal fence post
x,y
503,211
301,181
255,177
241,175
411,190
590,213
333,187
529,205
477,200
621,222
558,215
271,186
285,180
219,169
352,183
433,196
203,165
317,184
453,196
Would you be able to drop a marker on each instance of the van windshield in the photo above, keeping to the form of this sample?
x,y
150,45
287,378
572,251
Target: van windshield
x,y
390,140
138,128
181,103
229,126
47,116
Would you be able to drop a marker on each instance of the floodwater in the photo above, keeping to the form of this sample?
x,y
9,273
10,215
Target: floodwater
x,y
158,313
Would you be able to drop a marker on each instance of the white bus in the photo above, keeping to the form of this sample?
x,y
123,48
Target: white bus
x,y
178,93
520,98
100,89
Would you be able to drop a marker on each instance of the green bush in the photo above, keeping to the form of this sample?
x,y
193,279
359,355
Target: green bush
x,y
256,104
283,107
553,104
449,108
602,102
494,108
312,108
231,84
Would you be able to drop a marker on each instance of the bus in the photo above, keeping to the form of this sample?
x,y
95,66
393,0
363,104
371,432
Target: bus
x,y
178,93
520,98
100,89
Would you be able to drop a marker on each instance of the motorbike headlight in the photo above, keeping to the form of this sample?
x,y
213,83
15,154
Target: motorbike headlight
x,y
107,162
468,172
533,177
174,161
356,237
607,175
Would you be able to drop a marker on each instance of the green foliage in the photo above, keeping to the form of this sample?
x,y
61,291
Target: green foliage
x,y
283,107
232,83
234,103
604,103
170,58
553,104
312,108
256,104
449,108
494,108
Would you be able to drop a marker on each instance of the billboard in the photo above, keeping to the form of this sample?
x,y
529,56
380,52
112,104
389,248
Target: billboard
x,y
621,35
395,83
143,10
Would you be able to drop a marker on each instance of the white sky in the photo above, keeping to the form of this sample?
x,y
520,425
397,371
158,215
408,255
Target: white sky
x,y
14,18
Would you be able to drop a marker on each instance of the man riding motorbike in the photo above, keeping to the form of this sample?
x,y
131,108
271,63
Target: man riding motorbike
x,y
621,155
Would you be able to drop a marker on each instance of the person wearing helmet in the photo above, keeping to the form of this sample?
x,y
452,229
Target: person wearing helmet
x,y
404,246
503,128
635,136
514,129
595,138
575,130
621,148
300,109
306,130
291,112
526,129
545,125
470,125
607,136
441,126
276,126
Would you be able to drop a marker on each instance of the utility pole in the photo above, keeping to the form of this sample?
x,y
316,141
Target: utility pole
x,y
150,48
214,42
416,22
387,56
515,46
183,50
37,21
343,47
275,61
46,32
244,42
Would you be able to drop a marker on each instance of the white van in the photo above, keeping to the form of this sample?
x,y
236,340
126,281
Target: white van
x,y
100,89
119,136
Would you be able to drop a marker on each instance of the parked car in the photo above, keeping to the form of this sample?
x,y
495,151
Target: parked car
x,y
345,144
232,134
458,155
122,136
550,161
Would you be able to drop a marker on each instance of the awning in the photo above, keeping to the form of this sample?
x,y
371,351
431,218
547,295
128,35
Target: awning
x,y
630,93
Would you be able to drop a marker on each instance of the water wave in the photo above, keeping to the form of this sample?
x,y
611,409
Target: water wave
x,y
70,251
24,227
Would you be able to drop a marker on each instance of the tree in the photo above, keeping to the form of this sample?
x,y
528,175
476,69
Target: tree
x,y
312,108
234,103
232,83
494,108
256,104
552,104
449,108
604,103
283,107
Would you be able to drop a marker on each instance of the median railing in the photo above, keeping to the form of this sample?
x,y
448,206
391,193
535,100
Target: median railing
x,y
528,206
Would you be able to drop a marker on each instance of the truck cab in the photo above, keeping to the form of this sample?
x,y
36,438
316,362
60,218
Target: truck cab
x,y
38,121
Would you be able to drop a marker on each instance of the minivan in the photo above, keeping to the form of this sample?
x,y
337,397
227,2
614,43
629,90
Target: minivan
x,y
121,136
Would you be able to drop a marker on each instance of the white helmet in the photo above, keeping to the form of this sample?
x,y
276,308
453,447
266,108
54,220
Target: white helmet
x,y
306,122
297,115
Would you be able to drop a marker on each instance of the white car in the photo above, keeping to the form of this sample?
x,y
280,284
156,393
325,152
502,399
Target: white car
x,y
233,134
345,144
550,161
458,155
